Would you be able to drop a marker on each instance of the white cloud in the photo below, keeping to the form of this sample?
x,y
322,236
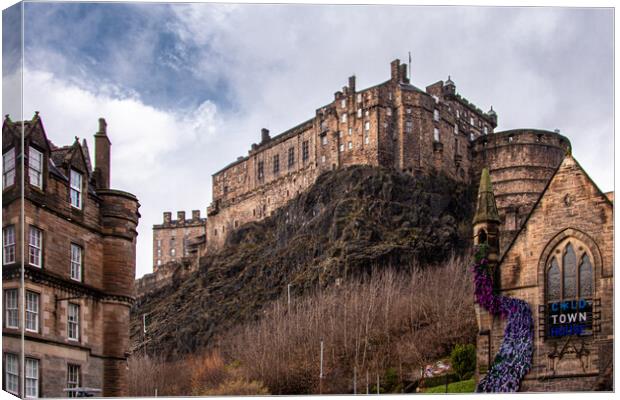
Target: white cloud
x,y
152,155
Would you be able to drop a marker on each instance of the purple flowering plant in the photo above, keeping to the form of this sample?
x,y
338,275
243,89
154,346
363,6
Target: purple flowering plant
x,y
514,359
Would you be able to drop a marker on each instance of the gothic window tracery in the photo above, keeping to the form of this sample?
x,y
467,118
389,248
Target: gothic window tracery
x,y
569,273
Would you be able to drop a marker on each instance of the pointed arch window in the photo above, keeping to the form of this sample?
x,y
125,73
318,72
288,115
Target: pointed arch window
x,y
569,274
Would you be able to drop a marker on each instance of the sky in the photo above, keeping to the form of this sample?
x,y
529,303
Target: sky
x,y
186,88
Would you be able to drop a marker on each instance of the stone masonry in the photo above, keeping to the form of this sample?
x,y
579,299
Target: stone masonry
x,y
79,268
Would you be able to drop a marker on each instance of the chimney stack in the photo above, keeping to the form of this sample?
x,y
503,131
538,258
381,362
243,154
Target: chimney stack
x,y
102,156
403,73
352,84
264,135
394,70
195,215
167,217
181,217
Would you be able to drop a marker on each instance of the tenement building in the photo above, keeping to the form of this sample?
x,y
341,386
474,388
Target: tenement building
x,y
78,262
177,239
559,261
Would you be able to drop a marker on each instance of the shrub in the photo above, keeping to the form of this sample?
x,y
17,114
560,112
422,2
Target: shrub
x,y
463,359
237,387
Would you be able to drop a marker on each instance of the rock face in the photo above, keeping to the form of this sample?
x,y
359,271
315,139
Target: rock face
x,y
348,223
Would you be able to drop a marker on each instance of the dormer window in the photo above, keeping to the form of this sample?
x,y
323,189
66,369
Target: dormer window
x,y
35,167
8,168
76,189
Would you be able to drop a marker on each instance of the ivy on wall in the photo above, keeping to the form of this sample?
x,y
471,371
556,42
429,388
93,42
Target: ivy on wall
x,y
514,358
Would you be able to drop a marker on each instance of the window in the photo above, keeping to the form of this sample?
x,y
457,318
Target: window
x,y
158,243
458,114
389,95
11,308
343,118
76,189
32,377
472,121
276,163
456,129
323,159
436,99
367,113
340,134
35,167
73,378
324,140
367,125
158,262
8,245
35,239
343,103
32,311
11,373
158,252
408,126
388,112
341,147
350,145
359,113
436,115
408,110
350,131
291,157
73,321
304,151
436,134
472,137
76,262
366,138
261,172
186,244
8,168
359,97
486,130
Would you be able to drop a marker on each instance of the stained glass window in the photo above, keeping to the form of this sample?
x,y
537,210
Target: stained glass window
x,y
553,281
570,272
585,277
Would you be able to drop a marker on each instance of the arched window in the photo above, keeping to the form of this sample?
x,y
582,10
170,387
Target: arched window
x,y
566,278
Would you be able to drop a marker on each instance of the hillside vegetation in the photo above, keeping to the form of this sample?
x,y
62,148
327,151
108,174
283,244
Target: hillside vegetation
x,y
349,225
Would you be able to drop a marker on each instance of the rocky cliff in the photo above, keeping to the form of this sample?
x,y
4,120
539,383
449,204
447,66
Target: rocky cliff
x,y
349,222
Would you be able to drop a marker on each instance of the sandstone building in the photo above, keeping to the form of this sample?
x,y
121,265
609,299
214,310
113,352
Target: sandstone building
x,y
179,238
560,261
79,239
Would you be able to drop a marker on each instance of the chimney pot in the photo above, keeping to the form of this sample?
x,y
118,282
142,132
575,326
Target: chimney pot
x,y
181,216
167,217
403,73
102,156
195,215
352,84
264,135
394,69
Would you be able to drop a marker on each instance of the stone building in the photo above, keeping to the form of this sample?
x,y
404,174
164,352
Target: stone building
x,y
393,124
176,239
79,239
560,261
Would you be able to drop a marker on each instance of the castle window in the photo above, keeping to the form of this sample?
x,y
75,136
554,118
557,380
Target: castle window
x,y
408,126
389,95
388,111
359,97
324,140
510,138
350,145
11,308
158,252
291,157
458,114
367,125
486,130
472,137
323,159
305,154
343,118
8,168
73,378
472,121
436,134
456,129
408,110
173,250
359,113
32,377
11,373
35,167
76,189
8,243
341,147
35,240
158,243
343,103
76,262
436,115
225,190
32,311
261,173
350,131
276,164
367,113
340,134
73,321
366,138
158,262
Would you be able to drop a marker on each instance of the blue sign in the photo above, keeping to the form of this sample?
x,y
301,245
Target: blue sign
x,y
569,318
